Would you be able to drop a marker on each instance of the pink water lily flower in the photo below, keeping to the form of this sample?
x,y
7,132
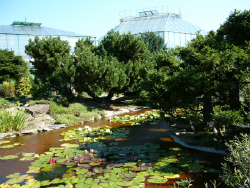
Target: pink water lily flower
x,y
91,150
51,161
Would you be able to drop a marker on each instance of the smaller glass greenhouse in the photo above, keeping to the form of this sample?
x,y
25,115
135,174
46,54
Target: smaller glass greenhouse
x,y
15,36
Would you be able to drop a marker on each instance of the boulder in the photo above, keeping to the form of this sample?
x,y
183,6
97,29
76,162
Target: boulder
x,y
38,109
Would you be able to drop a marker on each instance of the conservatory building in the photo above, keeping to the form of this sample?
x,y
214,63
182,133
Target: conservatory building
x,y
15,36
170,26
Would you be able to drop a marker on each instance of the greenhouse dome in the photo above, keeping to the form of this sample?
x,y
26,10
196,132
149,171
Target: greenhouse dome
x,y
170,26
16,36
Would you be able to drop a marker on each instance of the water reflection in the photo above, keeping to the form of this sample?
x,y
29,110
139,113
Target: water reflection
x,y
139,135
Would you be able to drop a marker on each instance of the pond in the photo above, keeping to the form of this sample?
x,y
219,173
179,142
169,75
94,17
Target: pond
x,y
142,155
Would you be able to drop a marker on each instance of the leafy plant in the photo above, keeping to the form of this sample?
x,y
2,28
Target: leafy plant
x,y
23,87
236,170
12,120
4,103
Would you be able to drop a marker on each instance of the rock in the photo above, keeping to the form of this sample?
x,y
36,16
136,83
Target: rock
x,y
38,109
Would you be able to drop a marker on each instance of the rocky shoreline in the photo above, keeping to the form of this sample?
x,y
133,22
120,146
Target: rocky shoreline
x,y
45,122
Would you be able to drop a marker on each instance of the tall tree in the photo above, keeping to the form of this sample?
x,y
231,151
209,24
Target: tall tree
x,y
12,66
236,28
154,42
51,58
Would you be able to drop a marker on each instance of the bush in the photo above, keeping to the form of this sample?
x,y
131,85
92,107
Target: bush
x,y
67,119
236,173
23,87
77,109
225,118
4,103
7,89
75,113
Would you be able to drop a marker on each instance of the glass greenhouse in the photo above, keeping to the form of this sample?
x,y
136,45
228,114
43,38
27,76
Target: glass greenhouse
x,y
170,26
15,36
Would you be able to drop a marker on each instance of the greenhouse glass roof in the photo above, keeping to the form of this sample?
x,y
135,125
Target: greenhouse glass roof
x,y
153,21
32,28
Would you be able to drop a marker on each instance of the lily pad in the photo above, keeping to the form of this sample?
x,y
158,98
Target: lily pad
x,y
9,157
7,146
4,142
157,179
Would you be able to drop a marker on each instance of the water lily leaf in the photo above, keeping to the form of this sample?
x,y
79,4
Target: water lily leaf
x,y
104,185
33,169
68,185
27,159
4,142
130,174
171,175
45,183
75,180
18,179
157,179
128,178
47,169
9,157
57,180
7,146
28,154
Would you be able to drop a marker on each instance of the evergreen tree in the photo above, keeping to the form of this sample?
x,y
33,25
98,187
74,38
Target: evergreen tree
x,y
154,42
12,66
51,59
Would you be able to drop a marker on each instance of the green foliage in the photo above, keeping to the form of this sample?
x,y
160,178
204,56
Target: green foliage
x,y
11,66
236,28
12,120
236,170
51,60
125,47
67,119
224,117
154,42
7,89
4,103
117,65
23,87
70,115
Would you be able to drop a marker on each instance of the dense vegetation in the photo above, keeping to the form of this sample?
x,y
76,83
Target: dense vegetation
x,y
205,82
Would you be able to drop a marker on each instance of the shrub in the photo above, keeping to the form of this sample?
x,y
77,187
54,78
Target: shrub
x,y
67,119
23,87
77,109
236,173
225,118
7,89
4,103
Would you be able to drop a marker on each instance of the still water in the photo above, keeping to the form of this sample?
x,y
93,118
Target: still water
x,y
157,134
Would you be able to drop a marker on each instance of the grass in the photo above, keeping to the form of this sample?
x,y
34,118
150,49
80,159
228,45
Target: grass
x,y
12,120
73,114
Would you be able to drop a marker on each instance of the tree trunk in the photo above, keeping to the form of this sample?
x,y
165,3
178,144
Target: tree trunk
x,y
110,95
234,96
207,108
92,94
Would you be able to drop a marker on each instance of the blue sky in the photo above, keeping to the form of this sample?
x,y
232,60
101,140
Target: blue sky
x,y
97,17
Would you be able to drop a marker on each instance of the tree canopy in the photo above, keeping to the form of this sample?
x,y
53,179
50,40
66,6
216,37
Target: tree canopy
x,y
12,66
